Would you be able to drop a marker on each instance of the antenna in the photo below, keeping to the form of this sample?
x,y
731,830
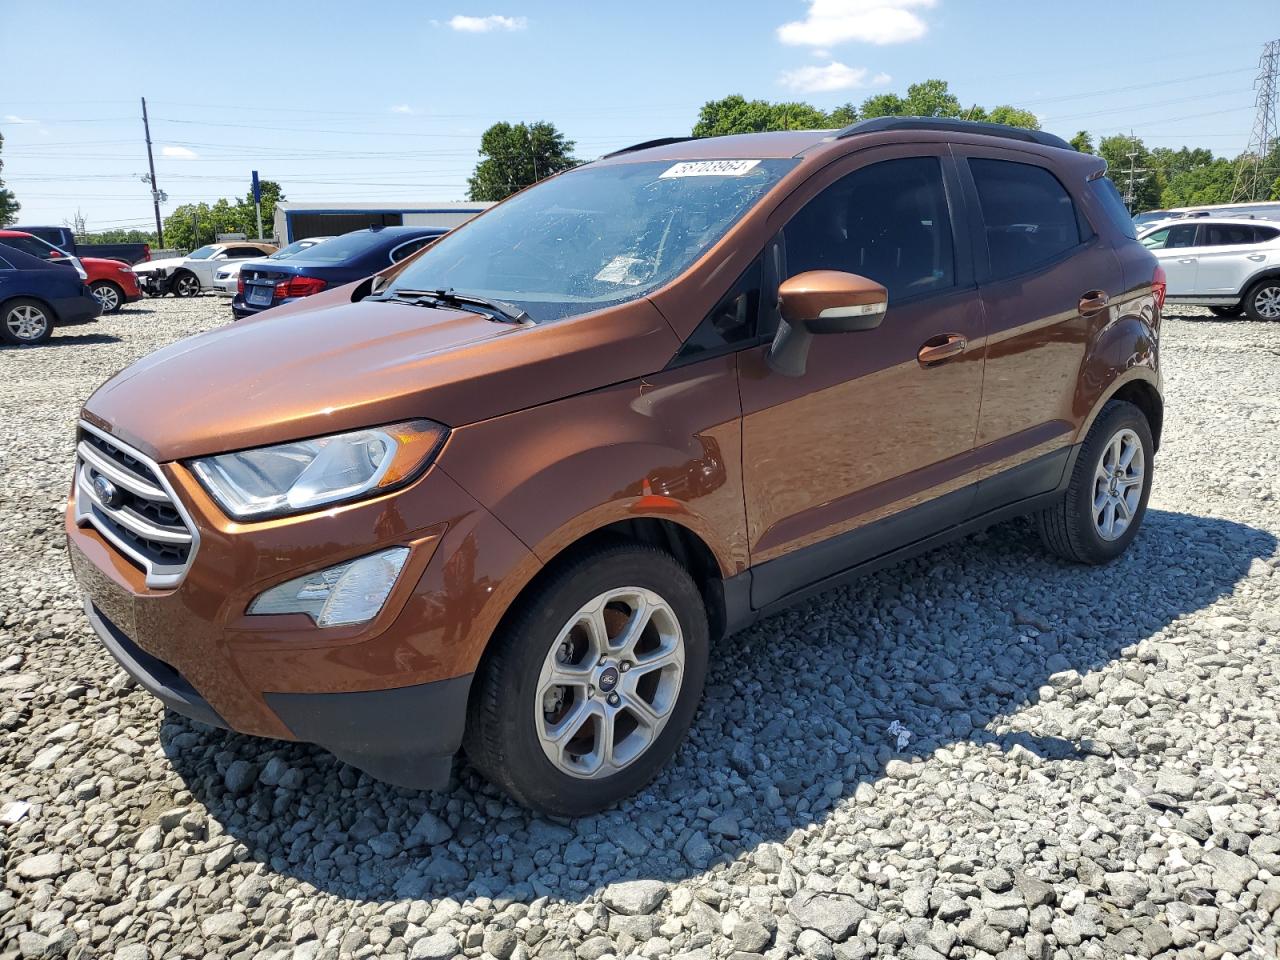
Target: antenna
x,y
1257,166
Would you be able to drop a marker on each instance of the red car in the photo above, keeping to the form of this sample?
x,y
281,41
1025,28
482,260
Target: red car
x,y
112,282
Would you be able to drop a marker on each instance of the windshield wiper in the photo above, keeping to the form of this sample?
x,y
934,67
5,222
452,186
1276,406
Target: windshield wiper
x,y
498,310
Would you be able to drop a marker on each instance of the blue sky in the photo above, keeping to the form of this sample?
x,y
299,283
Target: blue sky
x,y
386,101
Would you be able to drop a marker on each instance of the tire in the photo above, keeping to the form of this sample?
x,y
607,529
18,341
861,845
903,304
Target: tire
x,y
1262,302
25,321
1071,528
1227,311
516,706
109,295
185,284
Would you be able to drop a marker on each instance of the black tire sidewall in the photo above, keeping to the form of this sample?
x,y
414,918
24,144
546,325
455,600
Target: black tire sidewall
x,y
25,302
1249,308
1115,417
528,774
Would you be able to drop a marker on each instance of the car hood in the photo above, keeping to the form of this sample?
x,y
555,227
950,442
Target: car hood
x,y
102,263
168,263
312,368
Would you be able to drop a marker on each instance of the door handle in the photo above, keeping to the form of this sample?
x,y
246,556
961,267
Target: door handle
x,y
942,347
1094,301
1187,260
1256,257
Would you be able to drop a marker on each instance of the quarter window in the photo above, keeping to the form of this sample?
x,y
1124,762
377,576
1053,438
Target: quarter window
x,y
1263,234
888,222
1029,216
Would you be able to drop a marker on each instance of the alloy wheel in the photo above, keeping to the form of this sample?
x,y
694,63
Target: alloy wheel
x,y
1117,484
1267,302
26,322
187,286
609,682
107,297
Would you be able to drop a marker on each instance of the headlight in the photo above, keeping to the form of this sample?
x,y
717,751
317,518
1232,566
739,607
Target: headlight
x,y
294,477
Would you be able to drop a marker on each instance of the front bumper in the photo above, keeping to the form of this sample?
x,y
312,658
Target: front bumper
x,y
388,696
153,284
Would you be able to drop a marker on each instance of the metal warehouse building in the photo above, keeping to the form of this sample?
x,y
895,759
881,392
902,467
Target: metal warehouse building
x,y
297,221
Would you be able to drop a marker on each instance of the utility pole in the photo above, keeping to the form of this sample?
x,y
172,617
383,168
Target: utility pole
x,y
1254,175
1130,191
151,162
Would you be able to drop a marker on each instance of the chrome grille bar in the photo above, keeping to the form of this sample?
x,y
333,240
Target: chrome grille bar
x,y
135,519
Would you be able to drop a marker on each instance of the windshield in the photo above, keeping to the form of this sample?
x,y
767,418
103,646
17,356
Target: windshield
x,y
204,253
594,237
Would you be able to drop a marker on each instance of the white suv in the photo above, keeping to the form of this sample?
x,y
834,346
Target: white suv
x,y
1229,266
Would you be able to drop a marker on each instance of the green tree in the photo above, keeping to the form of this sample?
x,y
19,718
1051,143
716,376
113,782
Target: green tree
x,y
272,193
121,236
932,98
194,224
883,105
515,155
1200,184
9,206
1083,142
736,114
1130,165
1012,117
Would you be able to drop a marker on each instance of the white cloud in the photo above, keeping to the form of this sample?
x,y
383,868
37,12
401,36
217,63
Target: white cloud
x,y
14,118
881,80
178,153
867,21
834,76
402,108
487,24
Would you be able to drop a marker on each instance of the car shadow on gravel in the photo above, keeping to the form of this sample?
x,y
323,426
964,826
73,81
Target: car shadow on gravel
x,y
65,340
802,711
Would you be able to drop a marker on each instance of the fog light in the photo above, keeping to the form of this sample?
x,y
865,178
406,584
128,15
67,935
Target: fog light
x,y
351,592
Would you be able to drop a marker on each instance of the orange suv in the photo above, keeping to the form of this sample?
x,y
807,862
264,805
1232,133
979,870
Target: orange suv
x,y
505,495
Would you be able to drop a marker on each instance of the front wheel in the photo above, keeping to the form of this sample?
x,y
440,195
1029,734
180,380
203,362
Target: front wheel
x,y
26,321
589,688
1110,484
186,285
110,297
1262,302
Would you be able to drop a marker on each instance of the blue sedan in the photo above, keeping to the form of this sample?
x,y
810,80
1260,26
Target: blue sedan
x,y
353,256
36,296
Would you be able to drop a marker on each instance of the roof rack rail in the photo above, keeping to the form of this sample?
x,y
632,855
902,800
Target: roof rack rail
x,y
660,142
951,125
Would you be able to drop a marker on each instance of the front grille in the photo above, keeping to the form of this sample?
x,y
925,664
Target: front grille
x,y
143,519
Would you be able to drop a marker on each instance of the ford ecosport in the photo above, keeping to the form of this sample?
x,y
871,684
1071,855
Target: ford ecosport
x,y
506,495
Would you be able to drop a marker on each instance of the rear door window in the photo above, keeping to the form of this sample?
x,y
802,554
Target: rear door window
x,y
1028,214
1226,234
1180,235
28,245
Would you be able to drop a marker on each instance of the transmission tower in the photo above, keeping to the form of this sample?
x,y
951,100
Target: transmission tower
x,y
1258,168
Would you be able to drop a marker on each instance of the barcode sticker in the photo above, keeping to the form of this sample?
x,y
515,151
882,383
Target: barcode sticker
x,y
709,168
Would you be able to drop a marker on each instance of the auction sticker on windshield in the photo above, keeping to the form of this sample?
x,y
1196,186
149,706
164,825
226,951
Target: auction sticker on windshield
x,y
708,168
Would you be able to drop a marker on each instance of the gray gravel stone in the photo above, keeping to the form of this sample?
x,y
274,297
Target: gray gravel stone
x,y
633,897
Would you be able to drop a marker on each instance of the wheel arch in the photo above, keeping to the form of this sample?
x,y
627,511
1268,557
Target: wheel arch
x,y
53,314
1266,273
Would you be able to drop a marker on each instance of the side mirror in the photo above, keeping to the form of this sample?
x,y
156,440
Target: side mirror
x,y
821,302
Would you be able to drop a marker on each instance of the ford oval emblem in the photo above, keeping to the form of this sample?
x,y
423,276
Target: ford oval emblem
x,y
106,492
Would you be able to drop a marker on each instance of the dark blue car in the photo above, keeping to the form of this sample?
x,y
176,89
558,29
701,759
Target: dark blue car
x,y
36,296
353,256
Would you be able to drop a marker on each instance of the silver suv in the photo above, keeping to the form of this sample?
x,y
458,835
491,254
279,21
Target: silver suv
x,y
1231,266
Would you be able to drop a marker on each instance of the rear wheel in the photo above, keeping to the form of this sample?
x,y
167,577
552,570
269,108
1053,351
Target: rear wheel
x,y
1227,311
1106,498
26,321
185,285
590,687
1262,302
109,295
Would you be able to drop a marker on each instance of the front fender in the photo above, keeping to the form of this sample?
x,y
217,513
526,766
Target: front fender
x,y
666,446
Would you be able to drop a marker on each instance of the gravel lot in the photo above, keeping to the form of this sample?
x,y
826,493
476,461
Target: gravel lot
x,y
1087,766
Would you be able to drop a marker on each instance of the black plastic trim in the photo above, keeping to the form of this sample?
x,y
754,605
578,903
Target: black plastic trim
x,y
952,125
406,735
777,584
158,678
645,145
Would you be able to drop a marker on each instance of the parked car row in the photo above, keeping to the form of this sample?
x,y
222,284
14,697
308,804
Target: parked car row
x,y
190,275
